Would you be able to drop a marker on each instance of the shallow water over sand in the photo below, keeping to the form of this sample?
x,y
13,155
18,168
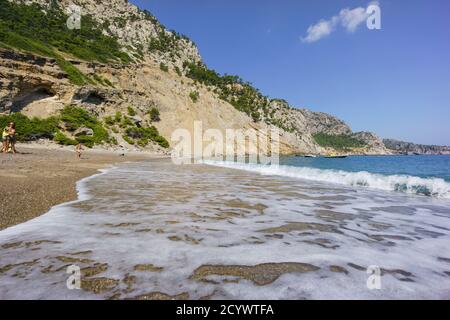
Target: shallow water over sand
x,y
154,230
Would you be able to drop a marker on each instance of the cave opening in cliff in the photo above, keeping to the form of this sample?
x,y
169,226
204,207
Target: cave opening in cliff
x,y
24,99
93,98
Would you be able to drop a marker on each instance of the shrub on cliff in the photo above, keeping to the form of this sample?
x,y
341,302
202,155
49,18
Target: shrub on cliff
x,y
128,139
75,118
62,139
131,112
242,95
194,95
154,115
144,135
164,67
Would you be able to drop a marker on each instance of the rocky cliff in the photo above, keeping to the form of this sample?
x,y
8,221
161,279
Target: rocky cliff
x,y
402,147
135,29
162,70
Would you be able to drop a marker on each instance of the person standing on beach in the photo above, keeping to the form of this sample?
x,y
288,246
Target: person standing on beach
x,y
78,149
5,139
9,138
12,137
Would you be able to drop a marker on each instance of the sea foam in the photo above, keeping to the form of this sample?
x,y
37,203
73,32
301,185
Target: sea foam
x,y
435,187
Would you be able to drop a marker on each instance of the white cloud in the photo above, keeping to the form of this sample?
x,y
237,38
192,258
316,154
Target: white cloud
x,y
349,19
321,29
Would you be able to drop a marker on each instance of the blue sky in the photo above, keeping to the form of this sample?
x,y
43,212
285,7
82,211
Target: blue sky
x,y
394,81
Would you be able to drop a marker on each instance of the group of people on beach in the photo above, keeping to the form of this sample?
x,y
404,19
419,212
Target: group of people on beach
x,y
9,138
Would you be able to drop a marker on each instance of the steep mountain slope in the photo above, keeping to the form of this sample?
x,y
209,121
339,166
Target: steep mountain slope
x,y
146,69
137,31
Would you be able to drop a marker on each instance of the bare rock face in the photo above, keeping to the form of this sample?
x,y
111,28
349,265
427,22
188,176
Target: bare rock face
x,y
304,120
304,124
83,131
321,122
375,144
27,80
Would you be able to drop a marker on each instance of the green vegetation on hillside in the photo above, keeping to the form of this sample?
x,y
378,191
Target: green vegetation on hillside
x,y
30,45
164,42
70,118
35,29
141,135
62,139
194,95
338,142
131,111
31,129
154,115
242,95
145,135
75,118
164,67
48,26
178,71
103,81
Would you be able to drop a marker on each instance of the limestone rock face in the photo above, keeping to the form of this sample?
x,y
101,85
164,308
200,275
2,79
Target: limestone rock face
x,y
29,83
375,144
305,123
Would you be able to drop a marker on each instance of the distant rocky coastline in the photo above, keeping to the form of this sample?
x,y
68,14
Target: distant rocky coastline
x,y
402,147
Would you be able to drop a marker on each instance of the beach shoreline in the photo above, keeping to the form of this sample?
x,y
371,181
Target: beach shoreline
x,y
155,230
38,178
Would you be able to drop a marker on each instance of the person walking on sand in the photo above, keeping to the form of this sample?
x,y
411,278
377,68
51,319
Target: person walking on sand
x,y
5,139
78,149
12,138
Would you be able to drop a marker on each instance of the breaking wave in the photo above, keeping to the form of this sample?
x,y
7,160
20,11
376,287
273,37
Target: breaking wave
x,y
434,187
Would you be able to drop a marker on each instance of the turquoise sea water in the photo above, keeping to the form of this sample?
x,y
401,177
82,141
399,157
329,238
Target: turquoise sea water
x,y
418,166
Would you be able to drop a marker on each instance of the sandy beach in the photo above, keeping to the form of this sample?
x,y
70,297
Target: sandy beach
x,y
38,178
155,230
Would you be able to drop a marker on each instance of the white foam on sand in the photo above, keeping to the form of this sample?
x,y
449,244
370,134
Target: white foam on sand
x,y
182,217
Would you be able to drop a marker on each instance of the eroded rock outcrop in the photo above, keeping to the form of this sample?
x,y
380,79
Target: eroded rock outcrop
x,y
374,143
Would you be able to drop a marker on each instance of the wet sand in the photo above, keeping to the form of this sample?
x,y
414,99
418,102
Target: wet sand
x,y
39,178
